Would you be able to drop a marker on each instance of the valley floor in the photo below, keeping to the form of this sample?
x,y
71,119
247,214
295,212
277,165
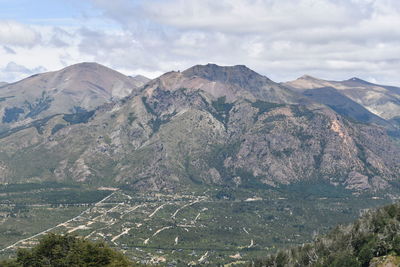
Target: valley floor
x,y
208,227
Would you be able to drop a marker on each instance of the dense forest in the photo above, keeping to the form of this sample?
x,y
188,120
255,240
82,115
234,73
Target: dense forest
x,y
373,240
66,251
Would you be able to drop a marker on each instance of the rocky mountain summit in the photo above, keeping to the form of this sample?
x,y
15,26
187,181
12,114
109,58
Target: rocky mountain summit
x,y
231,82
79,87
206,126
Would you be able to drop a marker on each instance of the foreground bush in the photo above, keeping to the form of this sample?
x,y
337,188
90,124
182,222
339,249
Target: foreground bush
x,y
68,251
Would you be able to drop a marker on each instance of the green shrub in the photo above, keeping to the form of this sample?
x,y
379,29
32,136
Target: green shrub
x,y
67,250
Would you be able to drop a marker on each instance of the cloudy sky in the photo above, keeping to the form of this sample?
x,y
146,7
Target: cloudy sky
x,y
282,39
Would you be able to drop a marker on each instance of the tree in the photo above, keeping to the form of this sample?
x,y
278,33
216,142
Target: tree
x,y
68,251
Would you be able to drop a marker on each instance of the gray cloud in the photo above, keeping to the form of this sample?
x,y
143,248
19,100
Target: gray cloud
x,y
255,16
9,50
283,39
12,71
60,37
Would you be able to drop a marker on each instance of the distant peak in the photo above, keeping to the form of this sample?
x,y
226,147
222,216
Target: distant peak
x,y
139,76
357,80
140,79
307,77
215,66
83,66
86,65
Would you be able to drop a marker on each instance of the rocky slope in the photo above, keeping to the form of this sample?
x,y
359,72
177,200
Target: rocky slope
x,y
208,125
380,100
79,87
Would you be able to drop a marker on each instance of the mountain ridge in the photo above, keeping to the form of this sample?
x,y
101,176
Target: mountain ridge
x,y
232,82
380,100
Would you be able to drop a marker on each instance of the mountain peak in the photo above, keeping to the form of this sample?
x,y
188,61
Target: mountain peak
x,y
139,76
232,82
86,66
308,78
357,80
238,74
139,80
86,85
211,67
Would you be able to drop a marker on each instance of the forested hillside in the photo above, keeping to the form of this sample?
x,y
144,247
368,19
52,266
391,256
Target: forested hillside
x,y
373,240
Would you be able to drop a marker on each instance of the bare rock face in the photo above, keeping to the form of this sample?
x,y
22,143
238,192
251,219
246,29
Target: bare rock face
x,y
357,181
214,175
208,125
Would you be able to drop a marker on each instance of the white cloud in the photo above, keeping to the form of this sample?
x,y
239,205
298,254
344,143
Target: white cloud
x,y
14,33
283,39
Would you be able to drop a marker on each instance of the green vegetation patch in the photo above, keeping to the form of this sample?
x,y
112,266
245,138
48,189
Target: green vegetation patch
x,y
57,127
73,196
12,114
41,104
218,154
68,250
302,111
79,117
274,118
147,106
5,98
25,187
264,107
221,110
131,118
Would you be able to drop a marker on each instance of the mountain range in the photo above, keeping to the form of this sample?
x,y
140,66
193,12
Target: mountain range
x,y
355,98
205,126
